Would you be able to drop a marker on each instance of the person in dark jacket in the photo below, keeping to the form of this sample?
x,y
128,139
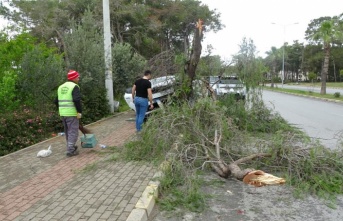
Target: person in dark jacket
x,y
141,95
70,109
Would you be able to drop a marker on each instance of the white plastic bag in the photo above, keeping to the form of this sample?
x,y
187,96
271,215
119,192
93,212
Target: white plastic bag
x,y
44,153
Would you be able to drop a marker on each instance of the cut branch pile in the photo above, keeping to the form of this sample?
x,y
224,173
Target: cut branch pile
x,y
202,136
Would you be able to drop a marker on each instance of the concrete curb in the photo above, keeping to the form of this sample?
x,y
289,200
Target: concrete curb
x,y
146,202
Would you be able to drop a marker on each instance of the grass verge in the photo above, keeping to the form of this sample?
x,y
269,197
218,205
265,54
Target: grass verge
x,y
332,97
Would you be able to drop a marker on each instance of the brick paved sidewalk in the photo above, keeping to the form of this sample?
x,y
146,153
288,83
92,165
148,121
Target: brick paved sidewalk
x,y
86,187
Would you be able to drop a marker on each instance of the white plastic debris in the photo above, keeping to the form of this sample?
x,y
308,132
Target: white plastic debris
x,y
229,192
103,146
44,153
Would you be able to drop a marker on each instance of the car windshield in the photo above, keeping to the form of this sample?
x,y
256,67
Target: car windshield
x,y
164,80
225,80
230,81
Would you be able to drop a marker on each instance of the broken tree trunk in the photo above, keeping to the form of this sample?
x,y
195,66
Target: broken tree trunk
x,y
233,168
192,62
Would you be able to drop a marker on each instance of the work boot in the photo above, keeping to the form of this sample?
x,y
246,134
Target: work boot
x,y
75,153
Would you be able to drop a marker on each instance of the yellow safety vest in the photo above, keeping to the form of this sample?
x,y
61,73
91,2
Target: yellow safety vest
x,y
65,99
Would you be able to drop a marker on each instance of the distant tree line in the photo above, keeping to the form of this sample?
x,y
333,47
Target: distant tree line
x,y
321,56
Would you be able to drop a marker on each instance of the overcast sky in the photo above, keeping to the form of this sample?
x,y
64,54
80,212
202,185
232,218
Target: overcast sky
x,y
252,19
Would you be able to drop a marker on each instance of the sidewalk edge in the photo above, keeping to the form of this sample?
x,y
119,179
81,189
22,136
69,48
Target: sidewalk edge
x,y
146,202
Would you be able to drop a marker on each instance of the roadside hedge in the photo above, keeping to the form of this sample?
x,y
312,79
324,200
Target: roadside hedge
x,y
25,127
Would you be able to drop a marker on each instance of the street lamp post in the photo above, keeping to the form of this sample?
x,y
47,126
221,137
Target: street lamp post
x,y
283,49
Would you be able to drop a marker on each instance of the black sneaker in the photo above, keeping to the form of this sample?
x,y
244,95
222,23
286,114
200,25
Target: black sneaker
x,y
75,153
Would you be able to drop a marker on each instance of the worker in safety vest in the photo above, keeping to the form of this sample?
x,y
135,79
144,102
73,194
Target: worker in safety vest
x,y
70,109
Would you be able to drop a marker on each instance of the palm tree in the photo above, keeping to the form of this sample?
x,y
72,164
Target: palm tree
x,y
328,32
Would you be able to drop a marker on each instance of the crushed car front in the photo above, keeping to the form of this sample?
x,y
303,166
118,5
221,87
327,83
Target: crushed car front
x,y
161,87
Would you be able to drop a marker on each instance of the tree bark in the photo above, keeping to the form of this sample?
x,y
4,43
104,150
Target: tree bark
x,y
233,168
210,89
64,46
237,172
325,69
192,62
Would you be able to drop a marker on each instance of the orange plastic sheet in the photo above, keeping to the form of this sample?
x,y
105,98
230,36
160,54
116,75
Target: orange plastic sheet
x,y
259,178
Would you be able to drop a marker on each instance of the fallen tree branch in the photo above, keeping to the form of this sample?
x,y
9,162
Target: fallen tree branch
x,y
251,157
219,170
216,142
237,172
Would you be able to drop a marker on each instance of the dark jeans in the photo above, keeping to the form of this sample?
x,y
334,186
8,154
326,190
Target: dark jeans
x,y
141,105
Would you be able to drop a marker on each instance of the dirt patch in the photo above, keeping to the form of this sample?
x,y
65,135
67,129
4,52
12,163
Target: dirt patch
x,y
235,201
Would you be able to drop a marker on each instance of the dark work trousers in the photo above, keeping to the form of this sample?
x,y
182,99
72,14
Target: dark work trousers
x,y
71,130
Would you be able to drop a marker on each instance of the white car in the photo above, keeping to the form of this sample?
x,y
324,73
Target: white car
x,y
228,85
161,88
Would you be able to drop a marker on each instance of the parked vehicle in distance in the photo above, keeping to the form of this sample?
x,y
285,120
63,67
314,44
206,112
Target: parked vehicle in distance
x,y
226,85
161,88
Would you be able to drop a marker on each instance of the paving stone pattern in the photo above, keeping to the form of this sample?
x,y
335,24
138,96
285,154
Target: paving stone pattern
x,y
86,187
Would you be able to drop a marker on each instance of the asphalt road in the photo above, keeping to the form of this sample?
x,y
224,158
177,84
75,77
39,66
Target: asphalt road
x,y
321,120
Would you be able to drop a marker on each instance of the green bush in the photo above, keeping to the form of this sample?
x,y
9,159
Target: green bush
x,y
255,119
337,94
41,70
8,99
25,127
318,171
312,76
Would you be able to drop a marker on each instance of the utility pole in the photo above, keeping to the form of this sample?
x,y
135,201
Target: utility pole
x,y
283,50
283,55
108,54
